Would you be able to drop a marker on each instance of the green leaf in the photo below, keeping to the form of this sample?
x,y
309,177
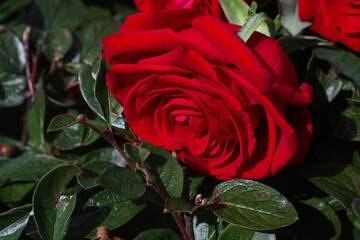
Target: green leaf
x,y
104,154
177,205
56,43
122,209
194,185
9,7
206,225
292,44
252,205
165,170
345,61
52,210
345,187
289,16
157,234
116,119
256,22
236,11
11,87
87,87
35,121
62,121
122,181
12,54
233,232
348,124
101,90
57,14
7,140
28,167
90,171
14,193
326,210
331,86
12,224
136,154
68,138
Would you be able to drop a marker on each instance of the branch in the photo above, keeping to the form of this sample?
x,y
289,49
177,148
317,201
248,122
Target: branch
x,y
108,136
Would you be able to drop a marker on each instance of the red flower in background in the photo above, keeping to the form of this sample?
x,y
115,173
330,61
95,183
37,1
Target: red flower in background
x,y
336,20
189,83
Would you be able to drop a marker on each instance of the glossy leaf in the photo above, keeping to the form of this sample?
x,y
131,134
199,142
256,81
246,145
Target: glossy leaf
x,y
122,209
104,154
56,43
12,224
327,210
233,232
12,54
136,154
252,205
122,181
345,187
165,169
62,121
206,225
345,61
101,90
57,13
68,138
90,171
158,234
52,210
87,86
35,121
348,124
289,16
11,87
28,167
177,205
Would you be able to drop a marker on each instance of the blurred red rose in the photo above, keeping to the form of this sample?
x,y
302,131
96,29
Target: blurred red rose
x,y
336,20
189,83
211,7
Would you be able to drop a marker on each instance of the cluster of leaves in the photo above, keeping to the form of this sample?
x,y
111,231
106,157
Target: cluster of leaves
x,y
70,164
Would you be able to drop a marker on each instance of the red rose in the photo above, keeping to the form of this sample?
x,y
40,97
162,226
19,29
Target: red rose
x,y
211,7
189,83
336,20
